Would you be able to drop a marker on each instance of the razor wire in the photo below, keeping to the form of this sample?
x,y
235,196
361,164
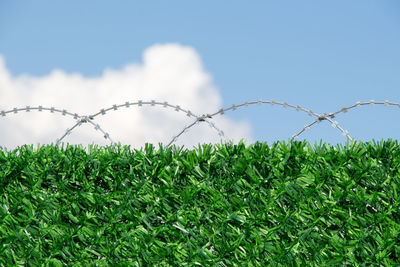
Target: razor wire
x,y
81,119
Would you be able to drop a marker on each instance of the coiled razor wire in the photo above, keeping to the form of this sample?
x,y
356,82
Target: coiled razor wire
x,y
81,119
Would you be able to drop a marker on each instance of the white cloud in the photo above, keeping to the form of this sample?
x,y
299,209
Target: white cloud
x,y
169,72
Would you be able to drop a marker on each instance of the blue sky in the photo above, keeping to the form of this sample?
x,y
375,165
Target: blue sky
x,y
317,54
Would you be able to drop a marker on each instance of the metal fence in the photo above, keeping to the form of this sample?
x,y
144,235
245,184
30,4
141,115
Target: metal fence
x,y
204,118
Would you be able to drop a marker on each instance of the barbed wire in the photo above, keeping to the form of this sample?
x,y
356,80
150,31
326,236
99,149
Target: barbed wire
x,y
81,119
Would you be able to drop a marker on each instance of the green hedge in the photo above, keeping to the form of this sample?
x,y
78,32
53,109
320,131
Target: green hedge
x,y
220,205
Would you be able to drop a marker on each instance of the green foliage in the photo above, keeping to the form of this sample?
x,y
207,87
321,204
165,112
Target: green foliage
x,y
224,205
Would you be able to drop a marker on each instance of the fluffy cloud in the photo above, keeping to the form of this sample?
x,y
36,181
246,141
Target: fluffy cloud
x,y
169,72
